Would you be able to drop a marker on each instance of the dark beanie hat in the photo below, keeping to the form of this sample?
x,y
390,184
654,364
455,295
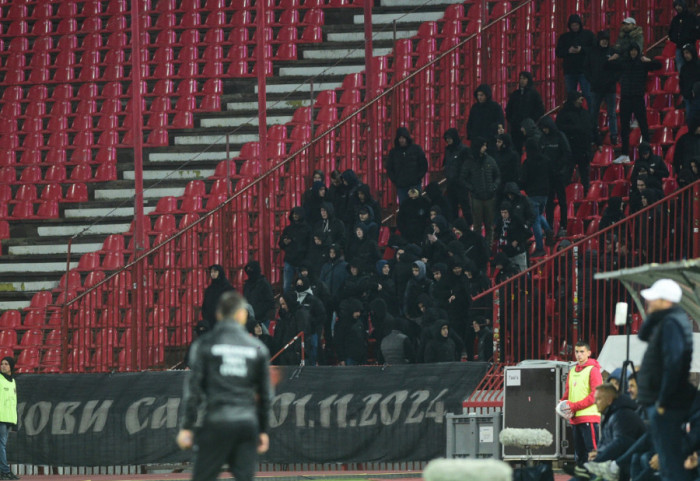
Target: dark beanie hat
x,y
11,361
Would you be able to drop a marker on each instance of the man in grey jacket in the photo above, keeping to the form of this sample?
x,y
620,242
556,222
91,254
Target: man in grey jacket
x,y
483,179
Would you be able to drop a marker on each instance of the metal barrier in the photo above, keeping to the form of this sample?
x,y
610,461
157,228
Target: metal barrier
x,y
142,315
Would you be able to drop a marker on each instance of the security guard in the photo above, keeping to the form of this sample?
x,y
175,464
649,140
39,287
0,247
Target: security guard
x,y
8,412
230,378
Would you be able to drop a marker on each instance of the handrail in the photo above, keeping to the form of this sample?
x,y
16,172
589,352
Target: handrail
x,y
305,147
300,335
583,240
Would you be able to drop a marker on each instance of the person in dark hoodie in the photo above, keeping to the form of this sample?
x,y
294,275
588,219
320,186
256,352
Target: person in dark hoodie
x,y
483,180
633,80
613,213
294,241
291,321
573,47
440,348
312,201
350,336
403,269
317,316
343,193
406,164
512,236
603,85
485,335
459,303
436,240
365,217
334,272
413,216
258,292
521,204
484,113
664,388
219,285
529,129
508,161
474,245
386,287
417,285
330,224
317,255
689,74
576,123
524,103
555,146
439,205
684,30
456,154
363,198
362,250
653,164
396,347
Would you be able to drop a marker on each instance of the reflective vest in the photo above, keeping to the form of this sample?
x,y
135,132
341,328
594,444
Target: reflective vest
x,y
8,401
580,388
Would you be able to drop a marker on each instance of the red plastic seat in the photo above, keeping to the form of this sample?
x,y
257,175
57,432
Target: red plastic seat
x,y
598,191
106,172
165,224
93,278
26,193
30,175
195,188
113,261
574,192
8,338
674,118
4,231
81,173
28,360
77,193
11,319
662,136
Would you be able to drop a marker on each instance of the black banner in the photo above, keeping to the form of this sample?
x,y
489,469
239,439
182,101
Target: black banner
x,y
319,415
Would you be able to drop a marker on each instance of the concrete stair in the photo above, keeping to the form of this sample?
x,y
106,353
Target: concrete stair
x,y
34,258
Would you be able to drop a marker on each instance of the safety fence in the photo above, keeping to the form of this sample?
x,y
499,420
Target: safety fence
x,y
541,313
142,316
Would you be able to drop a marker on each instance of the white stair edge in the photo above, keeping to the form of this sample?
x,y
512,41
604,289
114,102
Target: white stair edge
x,y
416,3
53,249
240,121
305,87
384,18
189,156
182,174
13,305
331,70
36,267
376,36
70,230
152,193
273,104
28,286
215,139
98,212
335,54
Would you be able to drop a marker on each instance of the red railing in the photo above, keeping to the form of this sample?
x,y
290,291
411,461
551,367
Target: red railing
x,y
540,313
142,316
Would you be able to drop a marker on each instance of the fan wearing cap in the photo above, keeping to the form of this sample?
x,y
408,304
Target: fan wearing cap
x,y
663,384
630,33
8,412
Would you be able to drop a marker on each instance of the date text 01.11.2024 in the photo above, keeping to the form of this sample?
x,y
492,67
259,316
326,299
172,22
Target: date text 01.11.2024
x,y
350,410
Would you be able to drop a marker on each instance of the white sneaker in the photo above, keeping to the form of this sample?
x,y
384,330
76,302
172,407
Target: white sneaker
x,y
634,124
608,470
623,159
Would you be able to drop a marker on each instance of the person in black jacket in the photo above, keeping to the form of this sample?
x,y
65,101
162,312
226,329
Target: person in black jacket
x,y
576,123
458,304
620,425
386,287
484,114
524,103
440,348
474,245
483,180
317,316
512,237
312,201
508,161
413,216
291,321
331,225
663,381
363,198
258,292
603,85
689,74
649,163
573,47
633,81
436,240
396,347
350,337
362,251
417,285
343,194
684,29
485,335
406,164
294,241
456,154
229,378
219,285
555,146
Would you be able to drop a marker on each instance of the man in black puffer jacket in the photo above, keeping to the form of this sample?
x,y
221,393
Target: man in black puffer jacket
x,y
684,29
576,123
524,103
663,381
258,292
555,146
456,154
633,81
406,164
603,85
294,241
483,115
689,74
483,180
573,47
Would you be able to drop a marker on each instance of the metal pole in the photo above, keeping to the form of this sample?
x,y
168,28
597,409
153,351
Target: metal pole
x,y
65,321
261,61
139,220
696,221
370,92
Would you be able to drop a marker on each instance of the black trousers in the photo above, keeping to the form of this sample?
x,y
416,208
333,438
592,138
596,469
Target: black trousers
x,y
557,190
582,159
632,105
225,441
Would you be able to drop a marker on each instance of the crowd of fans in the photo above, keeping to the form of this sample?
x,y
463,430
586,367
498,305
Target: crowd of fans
x,y
412,302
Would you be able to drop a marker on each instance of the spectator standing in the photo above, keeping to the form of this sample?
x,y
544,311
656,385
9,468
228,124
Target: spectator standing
x,y
458,304
417,285
473,243
413,216
663,380
330,224
456,154
508,161
687,147
684,30
294,241
633,80
581,383
649,163
350,339
440,348
536,182
8,412
258,292
573,47
555,146
483,179
524,103
603,85
484,114
576,123
362,251
512,237
219,285
396,347
406,164
317,316
485,335
630,33
290,322
312,201
689,74
521,204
